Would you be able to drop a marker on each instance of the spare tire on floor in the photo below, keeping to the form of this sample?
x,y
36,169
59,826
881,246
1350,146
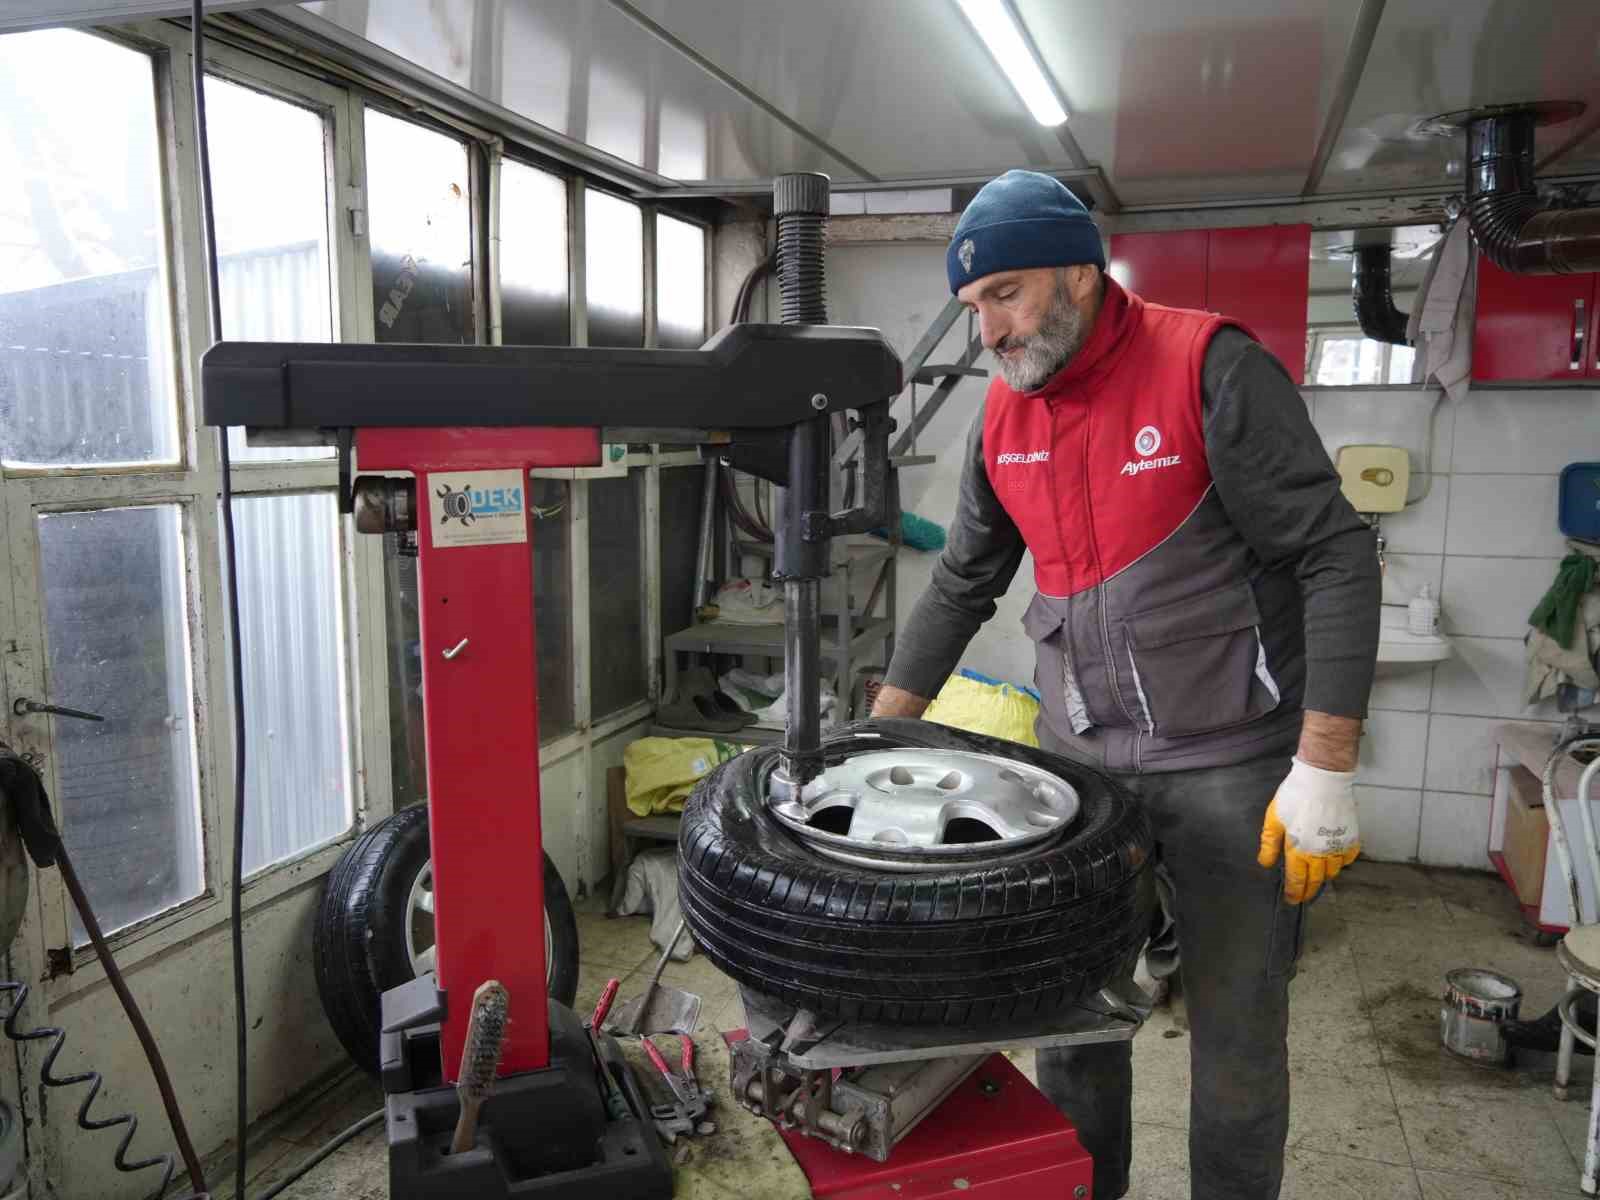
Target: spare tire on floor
x,y
1044,922
374,930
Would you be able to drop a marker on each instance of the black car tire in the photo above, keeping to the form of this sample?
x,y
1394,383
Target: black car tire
x,y
359,939
1026,937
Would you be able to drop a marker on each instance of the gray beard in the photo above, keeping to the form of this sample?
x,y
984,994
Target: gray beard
x,y
1060,336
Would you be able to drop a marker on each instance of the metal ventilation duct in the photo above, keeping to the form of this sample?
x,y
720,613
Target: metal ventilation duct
x,y
1373,294
1517,230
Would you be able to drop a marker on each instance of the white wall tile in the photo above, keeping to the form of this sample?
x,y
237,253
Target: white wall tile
x,y
1492,597
1504,514
1390,820
1526,432
1393,749
1355,416
1484,678
1455,831
1419,529
1461,754
1405,691
1405,574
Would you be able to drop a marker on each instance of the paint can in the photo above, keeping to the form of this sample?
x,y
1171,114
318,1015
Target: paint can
x,y
1477,1003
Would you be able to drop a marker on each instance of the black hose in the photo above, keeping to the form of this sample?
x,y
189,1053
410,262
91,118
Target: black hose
x,y
141,1029
231,576
739,514
745,299
19,991
23,794
1372,293
327,1148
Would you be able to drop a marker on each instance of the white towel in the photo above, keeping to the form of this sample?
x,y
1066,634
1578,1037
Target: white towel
x,y
1441,321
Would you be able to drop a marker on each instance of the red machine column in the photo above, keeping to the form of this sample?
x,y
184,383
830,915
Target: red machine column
x,y
481,712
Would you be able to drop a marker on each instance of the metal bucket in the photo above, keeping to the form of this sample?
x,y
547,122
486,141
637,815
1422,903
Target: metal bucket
x,y
1476,1004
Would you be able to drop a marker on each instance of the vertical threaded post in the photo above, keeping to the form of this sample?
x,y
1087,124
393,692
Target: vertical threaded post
x,y
800,204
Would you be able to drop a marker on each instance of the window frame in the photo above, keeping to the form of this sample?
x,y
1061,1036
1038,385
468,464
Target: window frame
x,y
195,480
194,484
1320,335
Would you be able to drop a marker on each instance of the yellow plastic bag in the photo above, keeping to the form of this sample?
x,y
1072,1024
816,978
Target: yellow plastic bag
x,y
663,771
979,704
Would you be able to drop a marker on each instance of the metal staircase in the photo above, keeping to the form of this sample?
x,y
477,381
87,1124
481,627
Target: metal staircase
x,y
943,377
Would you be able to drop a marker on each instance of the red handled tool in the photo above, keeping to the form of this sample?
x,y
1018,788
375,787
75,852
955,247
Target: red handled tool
x,y
686,1113
616,1102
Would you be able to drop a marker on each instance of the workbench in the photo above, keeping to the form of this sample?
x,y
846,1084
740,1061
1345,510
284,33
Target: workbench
x,y
1521,842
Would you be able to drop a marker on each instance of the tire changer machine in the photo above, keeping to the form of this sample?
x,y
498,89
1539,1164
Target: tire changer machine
x,y
468,423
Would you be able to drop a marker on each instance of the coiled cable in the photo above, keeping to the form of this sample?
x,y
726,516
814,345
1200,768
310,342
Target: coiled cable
x,y
17,992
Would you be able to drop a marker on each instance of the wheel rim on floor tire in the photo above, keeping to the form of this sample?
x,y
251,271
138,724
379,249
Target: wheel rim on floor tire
x,y
913,809
421,947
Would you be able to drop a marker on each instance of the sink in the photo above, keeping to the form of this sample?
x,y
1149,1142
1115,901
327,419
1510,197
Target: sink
x,y
1400,650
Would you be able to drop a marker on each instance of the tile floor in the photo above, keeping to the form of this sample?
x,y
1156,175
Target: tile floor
x,y
1380,1111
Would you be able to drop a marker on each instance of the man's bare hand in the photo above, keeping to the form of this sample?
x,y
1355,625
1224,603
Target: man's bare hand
x,y
897,702
1332,743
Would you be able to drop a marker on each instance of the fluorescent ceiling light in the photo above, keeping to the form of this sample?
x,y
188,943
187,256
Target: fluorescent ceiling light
x,y
998,28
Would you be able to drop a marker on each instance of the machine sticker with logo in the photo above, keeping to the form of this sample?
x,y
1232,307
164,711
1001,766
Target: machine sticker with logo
x,y
477,508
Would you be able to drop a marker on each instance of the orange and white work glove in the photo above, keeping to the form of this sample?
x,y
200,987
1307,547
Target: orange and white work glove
x,y
1314,813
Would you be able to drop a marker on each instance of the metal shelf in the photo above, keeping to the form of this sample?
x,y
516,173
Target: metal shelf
x,y
862,578
717,638
750,735
862,555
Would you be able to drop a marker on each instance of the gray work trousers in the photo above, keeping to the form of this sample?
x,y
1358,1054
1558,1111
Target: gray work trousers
x,y
1238,942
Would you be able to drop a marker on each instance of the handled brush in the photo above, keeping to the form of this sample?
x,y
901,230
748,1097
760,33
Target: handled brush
x,y
486,1034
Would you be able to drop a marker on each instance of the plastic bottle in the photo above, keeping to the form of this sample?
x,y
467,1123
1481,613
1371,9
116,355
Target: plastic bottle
x,y
1422,614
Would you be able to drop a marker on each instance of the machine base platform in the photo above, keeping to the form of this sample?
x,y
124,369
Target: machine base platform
x,y
814,1042
542,1133
995,1136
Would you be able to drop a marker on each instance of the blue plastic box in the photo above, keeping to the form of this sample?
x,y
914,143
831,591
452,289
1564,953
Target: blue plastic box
x,y
1579,505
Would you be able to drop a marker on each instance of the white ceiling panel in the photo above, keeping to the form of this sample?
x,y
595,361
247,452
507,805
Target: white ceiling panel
x,y
1193,99
1437,56
903,87
39,14
585,70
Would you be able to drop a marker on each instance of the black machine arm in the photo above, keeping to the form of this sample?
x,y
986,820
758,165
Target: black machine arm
x,y
747,377
762,395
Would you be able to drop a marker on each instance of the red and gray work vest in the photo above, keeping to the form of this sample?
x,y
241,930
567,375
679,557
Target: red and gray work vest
x,y
1163,642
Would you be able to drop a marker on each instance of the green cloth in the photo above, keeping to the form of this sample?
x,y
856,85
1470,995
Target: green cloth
x,y
1557,613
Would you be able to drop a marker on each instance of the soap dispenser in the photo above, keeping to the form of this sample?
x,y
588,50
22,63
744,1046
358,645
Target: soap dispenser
x,y
1422,614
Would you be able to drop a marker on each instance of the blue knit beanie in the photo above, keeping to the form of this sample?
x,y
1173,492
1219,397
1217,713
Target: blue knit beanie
x,y
1023,219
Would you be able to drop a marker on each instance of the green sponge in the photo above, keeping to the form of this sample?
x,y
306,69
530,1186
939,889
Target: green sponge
x,y
918,533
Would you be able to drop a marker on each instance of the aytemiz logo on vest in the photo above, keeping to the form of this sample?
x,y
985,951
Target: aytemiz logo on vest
x,y
1011,457
1145,443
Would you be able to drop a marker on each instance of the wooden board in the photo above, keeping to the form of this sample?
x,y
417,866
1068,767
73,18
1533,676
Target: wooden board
x,y
1527,835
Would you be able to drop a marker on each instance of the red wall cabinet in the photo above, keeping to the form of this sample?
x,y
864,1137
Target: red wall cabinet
x,y
1260,276
1169,268
1534,327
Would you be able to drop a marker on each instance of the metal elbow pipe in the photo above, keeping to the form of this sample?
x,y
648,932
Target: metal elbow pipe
x,y
1372,293
1517,230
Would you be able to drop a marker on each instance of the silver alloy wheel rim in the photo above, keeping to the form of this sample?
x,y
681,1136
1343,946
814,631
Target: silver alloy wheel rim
x,y
911,810
421,947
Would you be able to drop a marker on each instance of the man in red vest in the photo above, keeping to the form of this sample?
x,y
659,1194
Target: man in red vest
x,y
1206,625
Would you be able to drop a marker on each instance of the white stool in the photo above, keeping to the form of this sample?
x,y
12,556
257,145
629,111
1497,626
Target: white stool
x,y
1579,952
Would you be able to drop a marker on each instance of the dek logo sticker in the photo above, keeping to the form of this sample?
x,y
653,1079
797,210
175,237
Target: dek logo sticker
x,y
477,508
